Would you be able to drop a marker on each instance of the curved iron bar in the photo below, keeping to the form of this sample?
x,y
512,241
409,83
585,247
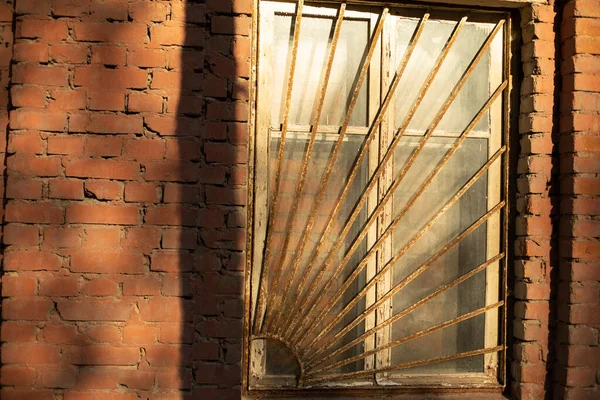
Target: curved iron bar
x,y
288,346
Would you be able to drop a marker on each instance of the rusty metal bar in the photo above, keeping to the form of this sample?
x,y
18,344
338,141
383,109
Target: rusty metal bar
x,y
273,317
288,99
311,361
388,231
313,287
329,168
419,270
380,169
410,203
350,375
406,339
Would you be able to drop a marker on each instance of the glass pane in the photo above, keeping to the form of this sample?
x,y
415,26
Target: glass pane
x,y
313,50
473,94
465,256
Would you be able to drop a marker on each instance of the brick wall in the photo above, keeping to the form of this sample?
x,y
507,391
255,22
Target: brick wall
x,y
577,374
126,184
535,244
126,192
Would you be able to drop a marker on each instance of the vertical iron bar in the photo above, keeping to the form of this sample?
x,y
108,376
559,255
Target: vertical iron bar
x,y
270,317
313,287
338,144
288,99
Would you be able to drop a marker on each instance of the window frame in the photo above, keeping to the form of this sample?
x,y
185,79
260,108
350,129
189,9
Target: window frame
x,y
256,218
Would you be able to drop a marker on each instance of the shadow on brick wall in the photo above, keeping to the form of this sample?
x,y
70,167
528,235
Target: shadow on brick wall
x,y
141,241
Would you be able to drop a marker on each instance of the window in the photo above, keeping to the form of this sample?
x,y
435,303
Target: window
x,y
379,206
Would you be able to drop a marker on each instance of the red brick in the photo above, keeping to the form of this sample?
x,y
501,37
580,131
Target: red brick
x,y
35,7
34,166
136,379
40,75
23,188
178,193
138,192
67,145
18,332
104,190
171,171
110,123
225,195
106,146
34,213
58,378
21,235
108,55
105,238
231,25
18,286
174,126
102,214
98,168
59,286
145,238
16,375
167,309
48,31
166,356
27,309
581,8
124,262
69,53
70,8
171,215
139,334
147,58
100,287
25,143
29,96
32,52
141,286
111,10
144,149
67,100
172,261
224,111
179,239
40,120
143,11
62,237
108,101
75,310
105,79
177,35
145,102
101,355
66,189
184,148
127,33
31,261
104,333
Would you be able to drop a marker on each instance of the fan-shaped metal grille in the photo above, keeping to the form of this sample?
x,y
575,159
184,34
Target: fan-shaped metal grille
x,y
380,170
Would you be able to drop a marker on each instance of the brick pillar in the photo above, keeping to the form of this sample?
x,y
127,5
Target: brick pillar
x,y
577,373
535,206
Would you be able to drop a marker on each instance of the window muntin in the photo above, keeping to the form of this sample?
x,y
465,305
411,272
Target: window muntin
x,y
361,338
